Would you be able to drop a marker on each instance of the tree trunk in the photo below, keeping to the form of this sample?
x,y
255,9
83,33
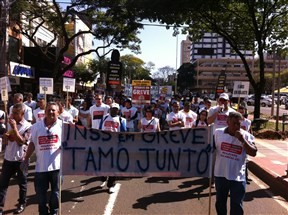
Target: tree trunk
x,y
258,92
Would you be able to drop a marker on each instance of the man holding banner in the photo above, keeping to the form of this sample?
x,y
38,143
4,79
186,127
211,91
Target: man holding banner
x,y
232,146
46,142
114,123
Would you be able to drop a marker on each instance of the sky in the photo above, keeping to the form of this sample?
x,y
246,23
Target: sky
x,y
159,46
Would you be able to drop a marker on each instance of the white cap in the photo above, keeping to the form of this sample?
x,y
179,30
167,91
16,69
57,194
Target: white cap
x,y
224,96
115,105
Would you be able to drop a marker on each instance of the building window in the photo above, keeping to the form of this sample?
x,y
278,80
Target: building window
x,y
13,49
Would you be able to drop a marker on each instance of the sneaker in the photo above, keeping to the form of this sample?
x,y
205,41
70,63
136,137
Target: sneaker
x,y
20,209
103,184
112,189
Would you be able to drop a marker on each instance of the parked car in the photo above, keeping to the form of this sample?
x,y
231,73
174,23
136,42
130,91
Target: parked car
x,y
265,101
283,98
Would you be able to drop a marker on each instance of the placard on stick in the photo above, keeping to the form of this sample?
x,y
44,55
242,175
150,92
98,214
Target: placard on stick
x,y
46,85
69,85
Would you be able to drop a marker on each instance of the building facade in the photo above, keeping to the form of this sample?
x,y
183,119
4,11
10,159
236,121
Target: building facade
x,y
185,51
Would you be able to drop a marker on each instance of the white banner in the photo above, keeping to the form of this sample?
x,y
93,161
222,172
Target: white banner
x,y
180,153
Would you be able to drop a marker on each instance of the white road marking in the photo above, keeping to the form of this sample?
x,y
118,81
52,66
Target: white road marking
x,y
78,198
278,162
273,147
265,188
111,201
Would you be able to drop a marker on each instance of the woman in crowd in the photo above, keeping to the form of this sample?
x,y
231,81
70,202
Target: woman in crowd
x,y
201,121
84,113
149,123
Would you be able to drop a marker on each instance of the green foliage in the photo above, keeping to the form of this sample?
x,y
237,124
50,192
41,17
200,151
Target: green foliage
x,y
134,68
186,77
83,73
110,21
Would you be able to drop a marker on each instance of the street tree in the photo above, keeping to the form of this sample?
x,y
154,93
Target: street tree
x,y
256,25
186,77
134,68
116,27
163,73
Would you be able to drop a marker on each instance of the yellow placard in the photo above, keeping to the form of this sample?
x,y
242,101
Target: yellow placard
x,y
141,83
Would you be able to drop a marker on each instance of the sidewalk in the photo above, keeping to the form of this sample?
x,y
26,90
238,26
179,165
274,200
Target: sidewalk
x,y
271,164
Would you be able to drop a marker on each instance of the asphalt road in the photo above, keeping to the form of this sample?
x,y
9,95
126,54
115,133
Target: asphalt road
x,y
139,196
267,110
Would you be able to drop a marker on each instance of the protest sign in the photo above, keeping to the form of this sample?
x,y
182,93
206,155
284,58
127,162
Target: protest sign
x,y
46,86
179,153
141,91
240,89
69,85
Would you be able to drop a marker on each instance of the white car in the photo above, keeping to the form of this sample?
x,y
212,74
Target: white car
x,y
265,101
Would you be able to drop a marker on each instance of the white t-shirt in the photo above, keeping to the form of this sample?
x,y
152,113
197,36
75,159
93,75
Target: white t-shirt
x,y
221,119
129,113
190,117
97,114
66,117
200,124
113,123
73,111
14,152
246,124
149,125
230,155
39,114
47,144
175,117
31,104
28,115
83,119
2,114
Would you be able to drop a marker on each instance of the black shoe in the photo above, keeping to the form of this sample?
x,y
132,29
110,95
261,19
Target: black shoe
x,y
20,209
1,211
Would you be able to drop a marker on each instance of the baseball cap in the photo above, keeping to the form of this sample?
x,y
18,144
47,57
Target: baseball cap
x,y
224,96
115,105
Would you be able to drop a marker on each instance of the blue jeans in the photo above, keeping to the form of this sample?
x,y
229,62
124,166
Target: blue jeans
x,y
237,194
9,168
41,183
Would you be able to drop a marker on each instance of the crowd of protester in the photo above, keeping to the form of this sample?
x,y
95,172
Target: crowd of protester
x,y
31,119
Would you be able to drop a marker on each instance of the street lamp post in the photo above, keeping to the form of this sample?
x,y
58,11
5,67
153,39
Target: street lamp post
x,y
175,78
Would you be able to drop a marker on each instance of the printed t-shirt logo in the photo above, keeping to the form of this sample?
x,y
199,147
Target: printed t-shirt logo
x,y
111,124
50,139
228,147
127,114
41,115
98,114
147,127
188,119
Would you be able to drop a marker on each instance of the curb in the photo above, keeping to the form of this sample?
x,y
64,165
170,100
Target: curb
x,y
277,184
